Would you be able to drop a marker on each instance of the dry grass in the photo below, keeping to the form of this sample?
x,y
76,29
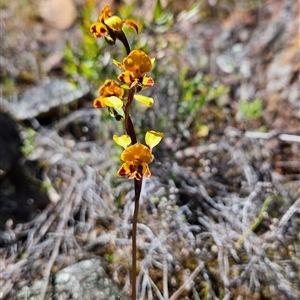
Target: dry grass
x,y
231,231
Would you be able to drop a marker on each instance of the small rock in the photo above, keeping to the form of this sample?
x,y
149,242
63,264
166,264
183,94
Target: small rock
x,y
58,14
84,280
53,61
41,100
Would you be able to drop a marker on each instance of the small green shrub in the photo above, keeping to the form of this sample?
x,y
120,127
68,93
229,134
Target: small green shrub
x,y
251,110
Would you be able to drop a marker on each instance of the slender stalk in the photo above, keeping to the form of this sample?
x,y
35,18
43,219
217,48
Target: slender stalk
x,y
128,123
137,192
135,87
122,37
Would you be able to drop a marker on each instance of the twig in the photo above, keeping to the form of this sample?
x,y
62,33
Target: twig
x,y
292,138
165,279
187,282
286,137
41,219
156,290
12,272
257,221
47,272
291,211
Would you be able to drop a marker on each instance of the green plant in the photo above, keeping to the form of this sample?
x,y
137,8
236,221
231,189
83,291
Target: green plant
x,y
195,93
251,110
29,145
162,19
8,85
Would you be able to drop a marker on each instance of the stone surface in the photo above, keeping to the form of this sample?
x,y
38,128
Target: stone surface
x,y
38,101
85,280
261,48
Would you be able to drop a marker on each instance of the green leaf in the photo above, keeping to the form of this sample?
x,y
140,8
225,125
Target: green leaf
x,y
68,53
157,10
71,69
202,99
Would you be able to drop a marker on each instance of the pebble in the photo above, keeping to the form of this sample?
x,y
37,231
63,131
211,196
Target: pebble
x,y
58,14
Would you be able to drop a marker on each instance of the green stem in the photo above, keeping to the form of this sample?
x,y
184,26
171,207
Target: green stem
x,y
256,222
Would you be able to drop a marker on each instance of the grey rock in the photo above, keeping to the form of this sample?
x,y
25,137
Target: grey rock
x,y
53,93
85,280
230,60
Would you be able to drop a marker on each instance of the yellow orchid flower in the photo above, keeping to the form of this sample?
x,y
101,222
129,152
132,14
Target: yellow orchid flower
x,y
137,157
136,65
109,22
137,62
110,95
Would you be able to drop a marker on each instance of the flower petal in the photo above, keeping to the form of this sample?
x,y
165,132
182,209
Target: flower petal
x,y
114,23
137,152
98,29
138,171
144,99
119,113
105,13
138,62
126,77
118,64
153,138
110,39
123,140
111,88
135,175
125,169
148,81
99,103
125,86
146,170
113,101
132,25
